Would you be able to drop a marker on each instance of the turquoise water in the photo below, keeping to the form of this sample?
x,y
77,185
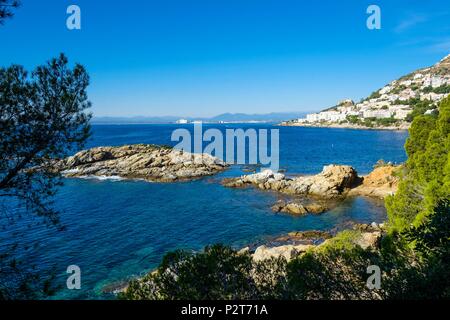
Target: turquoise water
x,y
115,230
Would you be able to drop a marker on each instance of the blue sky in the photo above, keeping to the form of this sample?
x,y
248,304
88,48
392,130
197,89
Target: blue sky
x,y
202,58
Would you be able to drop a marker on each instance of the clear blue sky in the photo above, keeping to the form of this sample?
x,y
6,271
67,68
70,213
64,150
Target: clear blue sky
x,y
202,58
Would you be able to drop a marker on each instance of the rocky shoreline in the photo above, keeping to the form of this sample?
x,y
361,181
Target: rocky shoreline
x,y
366,236
140,161
403,126
318,193
332,182
295,244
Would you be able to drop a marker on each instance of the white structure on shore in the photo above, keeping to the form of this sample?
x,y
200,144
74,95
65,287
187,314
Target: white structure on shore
x,y
182,121
395,100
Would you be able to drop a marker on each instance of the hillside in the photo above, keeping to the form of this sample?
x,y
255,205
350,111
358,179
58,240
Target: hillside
x,y
393,106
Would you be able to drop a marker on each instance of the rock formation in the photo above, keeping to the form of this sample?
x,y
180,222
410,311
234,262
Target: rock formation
x,y
318,193
140,161
303,237
332,182
367,236
287,251
381,182
297,208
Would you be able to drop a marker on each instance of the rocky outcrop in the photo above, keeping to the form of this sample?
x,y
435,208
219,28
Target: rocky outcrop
x,y
322,191
305,237
381,182
287,251
297,208
367,236
140,161
332,182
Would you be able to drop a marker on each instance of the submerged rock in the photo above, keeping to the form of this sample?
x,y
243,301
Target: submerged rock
x,y
309,234
140,161
302,237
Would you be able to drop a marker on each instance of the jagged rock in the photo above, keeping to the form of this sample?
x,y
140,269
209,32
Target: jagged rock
x,y
309,236
373,227
369,239
381,182
287,251
278,206
366,236
298,208
244,250
294,208
333,181
140,161
315,208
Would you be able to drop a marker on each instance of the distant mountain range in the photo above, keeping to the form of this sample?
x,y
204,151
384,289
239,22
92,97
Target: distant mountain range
x,y
225,117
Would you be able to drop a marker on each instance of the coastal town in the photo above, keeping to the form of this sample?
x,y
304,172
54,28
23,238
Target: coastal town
x,y
393,106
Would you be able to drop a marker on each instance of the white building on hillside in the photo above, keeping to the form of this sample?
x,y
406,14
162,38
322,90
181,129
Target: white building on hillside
x,y
378,113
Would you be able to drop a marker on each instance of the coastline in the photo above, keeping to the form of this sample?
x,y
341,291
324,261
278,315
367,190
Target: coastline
x,y
402,127
378,184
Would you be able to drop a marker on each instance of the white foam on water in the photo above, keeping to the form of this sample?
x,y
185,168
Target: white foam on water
x,y
103,178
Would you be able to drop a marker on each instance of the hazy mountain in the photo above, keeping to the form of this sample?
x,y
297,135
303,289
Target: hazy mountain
x,y
268,117
225,117
133,120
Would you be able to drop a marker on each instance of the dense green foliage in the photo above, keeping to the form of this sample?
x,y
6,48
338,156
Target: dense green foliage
x,y
372,122
426,179
42,118
414,256
445,88
220,272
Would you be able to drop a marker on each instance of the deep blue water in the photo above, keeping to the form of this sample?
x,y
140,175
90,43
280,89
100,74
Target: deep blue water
x,y
119,229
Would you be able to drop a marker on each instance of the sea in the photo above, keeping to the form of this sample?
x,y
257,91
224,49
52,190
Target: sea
x,y
115,230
